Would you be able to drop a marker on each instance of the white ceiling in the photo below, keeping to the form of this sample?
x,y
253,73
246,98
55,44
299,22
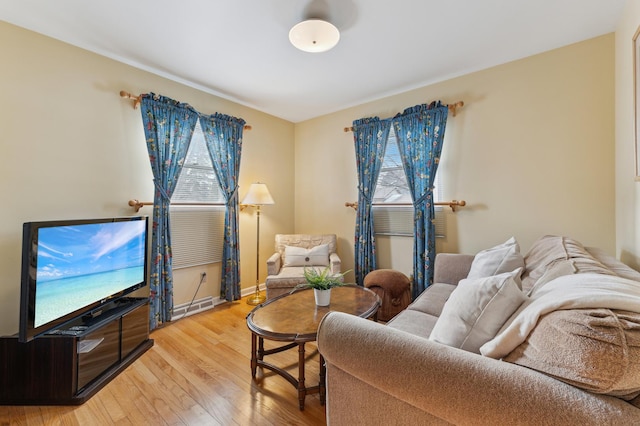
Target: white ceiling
x,y
239,49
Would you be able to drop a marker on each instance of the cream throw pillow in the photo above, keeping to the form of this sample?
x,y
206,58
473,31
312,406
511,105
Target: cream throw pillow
x,y
477,309
300,256
504,257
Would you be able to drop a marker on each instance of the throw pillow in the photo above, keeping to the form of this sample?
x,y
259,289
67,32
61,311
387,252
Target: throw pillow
x,y
477,309
300,256
496,260
597,350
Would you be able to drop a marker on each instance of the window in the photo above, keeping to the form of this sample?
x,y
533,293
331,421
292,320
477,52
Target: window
x,y
197,230
392,203
197,182
392,186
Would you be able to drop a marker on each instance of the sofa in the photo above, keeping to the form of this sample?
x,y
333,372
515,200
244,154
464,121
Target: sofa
x,y
551,337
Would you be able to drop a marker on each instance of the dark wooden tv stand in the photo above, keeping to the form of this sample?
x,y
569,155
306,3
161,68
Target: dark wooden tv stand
x,y
68,368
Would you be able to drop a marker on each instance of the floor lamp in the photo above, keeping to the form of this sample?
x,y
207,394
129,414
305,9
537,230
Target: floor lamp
x,y
257,196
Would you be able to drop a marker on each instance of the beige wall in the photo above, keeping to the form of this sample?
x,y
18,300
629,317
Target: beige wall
x,y
627,189
72,148
532,153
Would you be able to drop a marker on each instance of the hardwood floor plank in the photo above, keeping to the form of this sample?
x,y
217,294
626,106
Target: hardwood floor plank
x,y
197,373
175,405
136,408
92,412
55,416
117,413
201,387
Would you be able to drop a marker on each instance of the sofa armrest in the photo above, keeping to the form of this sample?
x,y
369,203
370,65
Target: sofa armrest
x,y
379,375
335,263
273,264
450,268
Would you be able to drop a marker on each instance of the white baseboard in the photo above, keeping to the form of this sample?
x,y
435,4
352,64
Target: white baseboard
x,y
250,290
200,305
204,304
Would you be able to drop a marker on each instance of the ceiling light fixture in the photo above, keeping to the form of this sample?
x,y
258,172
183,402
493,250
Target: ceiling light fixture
x,y
314,35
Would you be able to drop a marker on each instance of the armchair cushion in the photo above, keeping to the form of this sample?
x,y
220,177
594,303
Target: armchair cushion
x,y
300,256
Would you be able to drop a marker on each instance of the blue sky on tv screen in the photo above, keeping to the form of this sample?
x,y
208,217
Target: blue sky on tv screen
x,y
70,251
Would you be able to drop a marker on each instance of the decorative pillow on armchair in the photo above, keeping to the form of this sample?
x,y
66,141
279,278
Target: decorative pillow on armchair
x,y
496,260
477,309
300,256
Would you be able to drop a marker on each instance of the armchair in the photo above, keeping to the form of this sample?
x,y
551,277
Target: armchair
x,y
293,253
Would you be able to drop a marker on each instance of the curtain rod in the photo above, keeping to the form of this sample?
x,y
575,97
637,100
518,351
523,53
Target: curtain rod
x,y
138,99
453,204
137,205
452,108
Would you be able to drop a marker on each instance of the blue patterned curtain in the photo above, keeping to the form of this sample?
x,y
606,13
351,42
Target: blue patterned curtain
x,y
370,138
223,135
168,127
420,132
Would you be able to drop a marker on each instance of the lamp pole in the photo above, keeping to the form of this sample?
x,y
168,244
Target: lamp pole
x,y
257,196
257,298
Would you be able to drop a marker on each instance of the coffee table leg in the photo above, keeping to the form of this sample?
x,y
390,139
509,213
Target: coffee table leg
x,y
254,359
302,390
260,348
322,386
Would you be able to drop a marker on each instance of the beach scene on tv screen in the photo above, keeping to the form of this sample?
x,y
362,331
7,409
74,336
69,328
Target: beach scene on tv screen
x,y
81,264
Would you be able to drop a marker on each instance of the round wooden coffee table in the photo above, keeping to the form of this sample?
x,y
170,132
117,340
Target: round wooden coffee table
x,y
295,318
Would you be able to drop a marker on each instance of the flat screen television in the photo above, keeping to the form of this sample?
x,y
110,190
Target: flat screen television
x,y
72,268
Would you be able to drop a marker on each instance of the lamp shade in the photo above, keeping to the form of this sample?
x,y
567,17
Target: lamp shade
x,y
314,35
258,195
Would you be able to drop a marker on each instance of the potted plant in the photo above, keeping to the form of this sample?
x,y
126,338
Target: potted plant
x,y
321,282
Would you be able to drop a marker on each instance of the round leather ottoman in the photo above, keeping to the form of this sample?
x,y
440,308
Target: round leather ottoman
x,y
394,289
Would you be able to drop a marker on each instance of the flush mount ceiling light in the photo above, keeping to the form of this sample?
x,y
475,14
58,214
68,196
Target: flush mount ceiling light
x,y
314,35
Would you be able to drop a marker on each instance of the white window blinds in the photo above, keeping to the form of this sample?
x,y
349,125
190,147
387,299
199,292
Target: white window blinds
x,y
196,235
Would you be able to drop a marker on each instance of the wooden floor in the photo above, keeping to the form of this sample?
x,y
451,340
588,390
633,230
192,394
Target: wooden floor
x,y
197,373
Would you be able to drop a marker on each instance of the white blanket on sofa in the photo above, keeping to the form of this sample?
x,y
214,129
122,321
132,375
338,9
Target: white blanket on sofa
x,y
567,292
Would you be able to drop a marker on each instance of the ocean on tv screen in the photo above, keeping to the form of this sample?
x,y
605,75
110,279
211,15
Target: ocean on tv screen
x,y
82,264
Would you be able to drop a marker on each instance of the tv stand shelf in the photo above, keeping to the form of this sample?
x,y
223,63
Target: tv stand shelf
x,y
68,369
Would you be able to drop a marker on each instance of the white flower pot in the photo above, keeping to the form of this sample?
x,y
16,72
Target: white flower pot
x,y
323,297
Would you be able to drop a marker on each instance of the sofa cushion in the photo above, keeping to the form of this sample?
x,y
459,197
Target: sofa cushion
x,y
450,268
614,264
300,256
432,300
555,270
594,349
504,257
414,322
477,309
551,249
